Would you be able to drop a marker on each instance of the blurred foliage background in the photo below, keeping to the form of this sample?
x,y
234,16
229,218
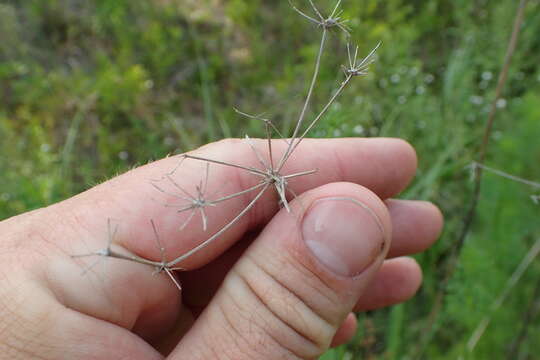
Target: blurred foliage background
x,y
92,88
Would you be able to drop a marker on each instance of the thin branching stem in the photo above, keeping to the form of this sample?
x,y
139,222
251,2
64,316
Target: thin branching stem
x,y
334,12
306,102
506,175
221,231
176,185
240,193
269,143
321,114
301,13
269,173
257,153
268,126
134,258
316,10
160,189
250,169
308,172
471,213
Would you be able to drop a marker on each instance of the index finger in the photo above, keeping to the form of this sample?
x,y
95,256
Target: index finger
x,y
385,166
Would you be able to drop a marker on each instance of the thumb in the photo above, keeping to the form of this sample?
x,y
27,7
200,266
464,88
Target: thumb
x,y
288,294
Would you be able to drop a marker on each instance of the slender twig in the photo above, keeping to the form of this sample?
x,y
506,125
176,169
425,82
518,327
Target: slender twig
x,y
240,193
221,231
309,172
506,175
197,203
354,69
306,102
316,10
163,266
268,126
318,117
258,154
471,213
249,169
111,234
304,14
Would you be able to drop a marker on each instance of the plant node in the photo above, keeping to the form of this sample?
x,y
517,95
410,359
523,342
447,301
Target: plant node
x,y
359,67
327,23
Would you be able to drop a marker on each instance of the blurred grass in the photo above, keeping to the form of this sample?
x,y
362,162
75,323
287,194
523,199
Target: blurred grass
x,y
92,88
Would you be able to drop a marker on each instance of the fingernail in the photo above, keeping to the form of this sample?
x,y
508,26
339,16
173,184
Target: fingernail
x,y
343,234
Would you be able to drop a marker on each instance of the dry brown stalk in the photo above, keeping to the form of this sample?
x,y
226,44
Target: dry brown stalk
x,y
269,175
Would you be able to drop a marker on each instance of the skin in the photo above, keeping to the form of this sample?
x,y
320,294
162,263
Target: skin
x,y
121,310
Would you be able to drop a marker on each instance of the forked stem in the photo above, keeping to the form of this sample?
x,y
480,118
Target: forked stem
x,y
221,231
294,145
506,175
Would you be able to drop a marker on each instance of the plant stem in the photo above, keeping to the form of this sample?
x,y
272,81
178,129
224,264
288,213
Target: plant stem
x,y
506,175
321,114
250,169
306,103
471,213
207,242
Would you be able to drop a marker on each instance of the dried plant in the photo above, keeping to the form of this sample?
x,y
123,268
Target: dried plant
x,y
270,175
533,184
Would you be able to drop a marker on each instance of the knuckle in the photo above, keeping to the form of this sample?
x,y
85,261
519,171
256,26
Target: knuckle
x,y
285,317
246,329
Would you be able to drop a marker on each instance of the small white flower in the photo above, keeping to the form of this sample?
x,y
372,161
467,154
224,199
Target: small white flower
x,y
148,84
487,75
402,99
45,148
21,69
476,100
123,155
429,78
501,103
358,129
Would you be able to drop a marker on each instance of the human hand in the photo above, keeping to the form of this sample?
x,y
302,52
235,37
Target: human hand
x,y
257,292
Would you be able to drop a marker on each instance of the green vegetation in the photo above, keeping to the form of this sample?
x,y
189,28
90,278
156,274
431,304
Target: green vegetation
x,y
92,88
